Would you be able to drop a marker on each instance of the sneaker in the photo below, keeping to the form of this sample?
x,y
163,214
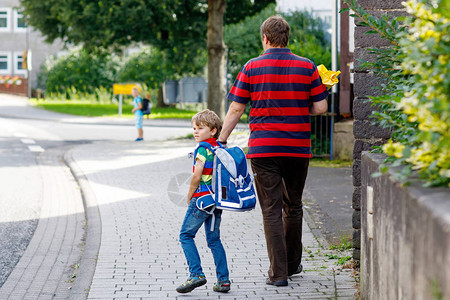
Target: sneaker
x,y
222,286
191,283
277,283
138,139
298,271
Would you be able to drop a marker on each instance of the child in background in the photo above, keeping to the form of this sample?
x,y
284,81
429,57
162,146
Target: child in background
x,y
147,103
138,114
207,126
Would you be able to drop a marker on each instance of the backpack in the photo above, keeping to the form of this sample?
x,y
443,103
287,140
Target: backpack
x,y
145,106
232,185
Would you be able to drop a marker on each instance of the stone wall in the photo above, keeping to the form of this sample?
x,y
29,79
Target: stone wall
x,y
343,140
405,237
366,135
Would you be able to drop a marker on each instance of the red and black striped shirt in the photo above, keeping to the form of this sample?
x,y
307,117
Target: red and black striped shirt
x,y
280,86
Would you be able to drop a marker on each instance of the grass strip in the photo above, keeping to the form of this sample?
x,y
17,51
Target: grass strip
x,y
87,109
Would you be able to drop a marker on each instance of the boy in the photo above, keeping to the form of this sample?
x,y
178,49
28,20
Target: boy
x,y
138,114
206,126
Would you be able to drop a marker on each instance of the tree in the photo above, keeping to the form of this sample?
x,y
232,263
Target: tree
x,y
79,71
244,41
177,25
307,38
152,67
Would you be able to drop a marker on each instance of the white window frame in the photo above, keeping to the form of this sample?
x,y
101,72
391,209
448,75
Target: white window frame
x,y
16,60
16,22
8,60
8,19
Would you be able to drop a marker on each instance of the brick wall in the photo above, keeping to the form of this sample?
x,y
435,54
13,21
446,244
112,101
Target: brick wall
x,y
366,134
13,89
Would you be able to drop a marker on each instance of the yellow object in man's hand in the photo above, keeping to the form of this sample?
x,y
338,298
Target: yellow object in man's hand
x,y
329,78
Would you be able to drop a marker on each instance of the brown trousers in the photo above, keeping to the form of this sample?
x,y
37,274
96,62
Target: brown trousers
x,y
279,184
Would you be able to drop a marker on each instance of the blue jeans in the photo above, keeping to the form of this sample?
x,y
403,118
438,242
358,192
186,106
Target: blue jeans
x,y
193,220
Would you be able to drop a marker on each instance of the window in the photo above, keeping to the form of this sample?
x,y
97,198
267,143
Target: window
x,y
18,64
5,63
19,22
5,17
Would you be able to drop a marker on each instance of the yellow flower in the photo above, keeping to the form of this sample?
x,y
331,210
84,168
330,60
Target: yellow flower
x,y
393,149
431,33
443,59
329,78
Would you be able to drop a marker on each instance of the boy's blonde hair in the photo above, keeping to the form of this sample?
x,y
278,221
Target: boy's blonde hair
x,y
208,118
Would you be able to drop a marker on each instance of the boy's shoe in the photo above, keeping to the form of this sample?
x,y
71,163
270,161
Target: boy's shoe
x,y
277,283
191,283
139,139
222,286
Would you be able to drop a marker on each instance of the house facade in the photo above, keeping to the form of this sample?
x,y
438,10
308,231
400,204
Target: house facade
x,y
20,44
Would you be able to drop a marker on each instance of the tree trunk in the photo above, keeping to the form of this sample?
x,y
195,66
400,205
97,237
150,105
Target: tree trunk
x,y
160,100
216,57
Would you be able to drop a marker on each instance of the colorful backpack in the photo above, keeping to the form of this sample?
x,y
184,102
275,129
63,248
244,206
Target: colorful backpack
x,y
232,185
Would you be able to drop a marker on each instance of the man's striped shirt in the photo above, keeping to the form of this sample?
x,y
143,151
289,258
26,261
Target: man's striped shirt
x,y
280,87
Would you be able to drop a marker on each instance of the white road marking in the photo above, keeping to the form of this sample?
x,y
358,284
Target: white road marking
x,y
19,134
28,141
36,149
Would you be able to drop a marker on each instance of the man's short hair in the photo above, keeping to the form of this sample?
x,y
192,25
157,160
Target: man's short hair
x,y
208,118
276,29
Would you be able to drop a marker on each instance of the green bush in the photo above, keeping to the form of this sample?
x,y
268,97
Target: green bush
x,y
79,73
415,103
307,38
152,67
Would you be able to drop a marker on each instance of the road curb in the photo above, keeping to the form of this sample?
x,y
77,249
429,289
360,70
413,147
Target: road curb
x,y
315,229
83,281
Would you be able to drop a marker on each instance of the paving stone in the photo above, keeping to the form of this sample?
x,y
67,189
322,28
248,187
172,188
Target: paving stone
x,y
46,265
140,253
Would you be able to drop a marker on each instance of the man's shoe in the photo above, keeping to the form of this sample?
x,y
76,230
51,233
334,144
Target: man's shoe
x,y
191,283
298,271
138,139
222,286
277,282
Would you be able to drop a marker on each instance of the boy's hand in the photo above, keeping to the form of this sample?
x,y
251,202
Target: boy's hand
x,y
195,180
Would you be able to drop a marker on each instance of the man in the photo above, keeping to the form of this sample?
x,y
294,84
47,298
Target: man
x,y
283,90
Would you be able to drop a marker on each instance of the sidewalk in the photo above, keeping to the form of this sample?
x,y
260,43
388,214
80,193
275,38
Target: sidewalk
x,y
132,248
139,254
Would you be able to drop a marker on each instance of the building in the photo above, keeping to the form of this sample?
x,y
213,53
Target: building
x,y
18,42
318,8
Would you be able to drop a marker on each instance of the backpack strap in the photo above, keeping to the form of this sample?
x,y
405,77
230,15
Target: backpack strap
x,y
207,146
